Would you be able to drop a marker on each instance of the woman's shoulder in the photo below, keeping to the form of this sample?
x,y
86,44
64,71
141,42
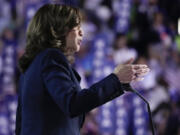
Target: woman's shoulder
x,y
54,54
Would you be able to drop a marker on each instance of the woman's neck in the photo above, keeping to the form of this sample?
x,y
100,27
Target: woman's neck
x,y
70,58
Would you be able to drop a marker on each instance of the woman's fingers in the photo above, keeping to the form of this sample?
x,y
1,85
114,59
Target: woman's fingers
x,y
139,79
127,73
139,66
139,71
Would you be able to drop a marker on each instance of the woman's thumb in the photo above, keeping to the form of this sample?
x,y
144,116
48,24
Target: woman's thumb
x,y
130,61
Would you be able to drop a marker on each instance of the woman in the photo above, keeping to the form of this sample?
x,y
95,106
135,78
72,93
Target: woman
x,y
51,101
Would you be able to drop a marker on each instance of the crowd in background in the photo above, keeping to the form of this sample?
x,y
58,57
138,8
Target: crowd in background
x,y
114,32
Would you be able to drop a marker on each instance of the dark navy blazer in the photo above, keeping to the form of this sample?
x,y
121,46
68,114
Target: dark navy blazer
x,y
51,101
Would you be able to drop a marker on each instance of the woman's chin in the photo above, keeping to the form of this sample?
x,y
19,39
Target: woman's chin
x,y
77,48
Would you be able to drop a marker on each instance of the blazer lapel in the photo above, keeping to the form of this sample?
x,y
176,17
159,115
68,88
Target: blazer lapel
x,y
76,75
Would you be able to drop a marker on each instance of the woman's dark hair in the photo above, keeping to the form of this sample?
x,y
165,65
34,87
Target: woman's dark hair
x,y
48,29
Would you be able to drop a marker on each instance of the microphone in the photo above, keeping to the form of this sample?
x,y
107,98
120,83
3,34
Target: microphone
x,y
128,87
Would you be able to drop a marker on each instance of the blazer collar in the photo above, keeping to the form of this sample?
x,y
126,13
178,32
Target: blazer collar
x,y
77,75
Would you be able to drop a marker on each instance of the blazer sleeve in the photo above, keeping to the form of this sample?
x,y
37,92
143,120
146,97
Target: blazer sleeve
x,y
68,96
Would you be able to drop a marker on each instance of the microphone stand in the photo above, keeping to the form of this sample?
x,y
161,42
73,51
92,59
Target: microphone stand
x,y
128,87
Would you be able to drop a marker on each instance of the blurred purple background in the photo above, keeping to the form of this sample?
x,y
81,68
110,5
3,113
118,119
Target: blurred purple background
x,y
114,31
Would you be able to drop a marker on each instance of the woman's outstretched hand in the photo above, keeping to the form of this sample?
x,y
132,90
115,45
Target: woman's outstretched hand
x,y
131,72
